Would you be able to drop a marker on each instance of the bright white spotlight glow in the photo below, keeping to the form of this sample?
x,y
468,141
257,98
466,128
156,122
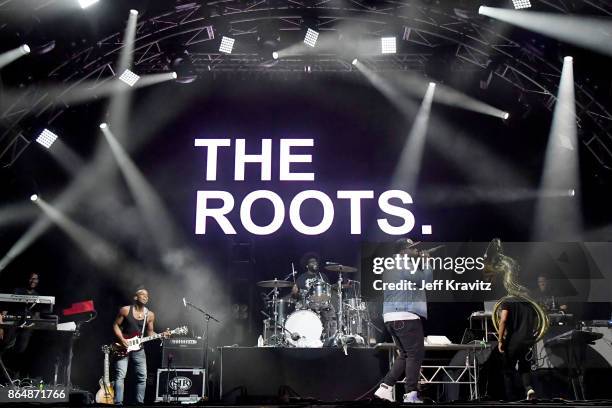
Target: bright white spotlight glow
x,y
571,192
506,116
86,3
568,59
388,45
433,84
227,45
521,4
311,37
103,125
174,75
275,55
34,197
134,12
355,61
129,77
25,49
46,138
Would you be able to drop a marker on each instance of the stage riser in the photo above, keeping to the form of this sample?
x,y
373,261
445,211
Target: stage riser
x,y
325,374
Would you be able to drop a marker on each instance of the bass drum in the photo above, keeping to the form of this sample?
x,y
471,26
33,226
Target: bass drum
x,y
306,327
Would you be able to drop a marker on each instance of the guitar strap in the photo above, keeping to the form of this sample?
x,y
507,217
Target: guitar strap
x,y
144,322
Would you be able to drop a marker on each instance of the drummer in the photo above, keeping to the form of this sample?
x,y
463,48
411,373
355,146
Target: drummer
x,y
311,261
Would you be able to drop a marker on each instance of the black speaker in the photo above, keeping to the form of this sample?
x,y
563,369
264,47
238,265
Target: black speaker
x,y
183,352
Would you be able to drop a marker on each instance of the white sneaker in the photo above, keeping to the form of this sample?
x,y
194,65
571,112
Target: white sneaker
x,y
385,392
412,398
531,395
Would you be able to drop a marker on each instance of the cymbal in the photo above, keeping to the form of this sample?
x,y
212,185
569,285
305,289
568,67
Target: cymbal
x,y
274,284
340,268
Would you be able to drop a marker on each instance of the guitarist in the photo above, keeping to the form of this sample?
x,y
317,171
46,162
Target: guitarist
x,y
133,320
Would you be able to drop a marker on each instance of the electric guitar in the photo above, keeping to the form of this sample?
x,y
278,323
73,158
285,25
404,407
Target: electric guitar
x,y
135,342
106,393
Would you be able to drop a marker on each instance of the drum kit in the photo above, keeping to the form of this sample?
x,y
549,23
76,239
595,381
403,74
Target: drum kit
x,y
323,315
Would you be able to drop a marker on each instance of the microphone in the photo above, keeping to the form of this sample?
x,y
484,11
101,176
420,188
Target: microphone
x,y
184,302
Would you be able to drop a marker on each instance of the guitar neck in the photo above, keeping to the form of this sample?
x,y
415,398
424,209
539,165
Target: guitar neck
x,y
151,337
106,374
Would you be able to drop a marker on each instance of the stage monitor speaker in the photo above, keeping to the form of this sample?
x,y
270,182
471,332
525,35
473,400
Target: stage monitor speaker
x,y
183,353
325,374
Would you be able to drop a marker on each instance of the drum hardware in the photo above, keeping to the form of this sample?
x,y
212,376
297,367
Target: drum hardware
x,y
274,284
340,338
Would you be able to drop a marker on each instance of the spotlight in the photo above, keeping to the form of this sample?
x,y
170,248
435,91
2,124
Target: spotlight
x,y
134,12
34,197
506,116
275,55
568,59
25,49
86,3
354,62
521,4
388,45
174,75
227,45
311,37
432,84
103,125
571,192
129,77
184,69
46,138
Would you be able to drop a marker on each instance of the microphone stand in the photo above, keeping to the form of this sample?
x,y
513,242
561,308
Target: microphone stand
x,y
207,318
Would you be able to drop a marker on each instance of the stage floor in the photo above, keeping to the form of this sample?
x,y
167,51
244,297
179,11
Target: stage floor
x,y
371,403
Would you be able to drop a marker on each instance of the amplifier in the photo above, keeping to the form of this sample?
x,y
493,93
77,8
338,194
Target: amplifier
x,y
182,385
184,352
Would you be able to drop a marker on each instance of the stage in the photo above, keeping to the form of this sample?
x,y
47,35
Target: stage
x,y
306,203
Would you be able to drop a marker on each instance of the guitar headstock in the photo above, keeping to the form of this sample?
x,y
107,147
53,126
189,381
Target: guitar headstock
x,y
180,330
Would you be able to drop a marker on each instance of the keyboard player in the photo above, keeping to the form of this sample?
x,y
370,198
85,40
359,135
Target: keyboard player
x,y
15,341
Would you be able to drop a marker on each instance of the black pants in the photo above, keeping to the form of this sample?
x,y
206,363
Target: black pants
x,y
408,337
513,353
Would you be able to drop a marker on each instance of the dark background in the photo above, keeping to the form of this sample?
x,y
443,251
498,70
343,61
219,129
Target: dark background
x,y
358,139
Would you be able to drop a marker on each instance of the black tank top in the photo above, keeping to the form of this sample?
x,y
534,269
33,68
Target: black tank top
x,y
130,325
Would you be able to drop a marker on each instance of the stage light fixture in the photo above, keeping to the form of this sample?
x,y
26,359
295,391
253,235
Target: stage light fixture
x,y
275,55
227,45
25,48
388,45
46,138
103,125
86,3
134,12
571,192
354,62
34,197
506,116
129,77
521,4
174,75
311,37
